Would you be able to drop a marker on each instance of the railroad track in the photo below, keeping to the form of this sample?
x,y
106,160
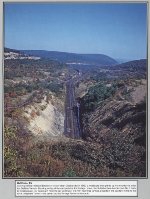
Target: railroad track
x,y
71,127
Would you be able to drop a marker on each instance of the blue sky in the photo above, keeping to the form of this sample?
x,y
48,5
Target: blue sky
x,y
118,30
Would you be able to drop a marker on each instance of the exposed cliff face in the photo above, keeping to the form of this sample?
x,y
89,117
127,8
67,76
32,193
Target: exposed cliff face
x,y
46,119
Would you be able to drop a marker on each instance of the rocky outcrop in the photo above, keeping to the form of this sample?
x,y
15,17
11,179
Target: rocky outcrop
x,y
46,119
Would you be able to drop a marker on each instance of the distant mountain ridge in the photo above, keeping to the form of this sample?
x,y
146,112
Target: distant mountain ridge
x,y
97,59
135,65
7,50
16,54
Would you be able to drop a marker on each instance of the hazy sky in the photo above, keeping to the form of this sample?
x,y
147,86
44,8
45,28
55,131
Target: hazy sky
x,y
118,30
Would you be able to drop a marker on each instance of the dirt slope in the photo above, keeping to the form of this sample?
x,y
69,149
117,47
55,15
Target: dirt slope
x,y
118,125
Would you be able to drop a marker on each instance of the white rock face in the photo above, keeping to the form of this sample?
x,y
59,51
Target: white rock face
x,y
48,123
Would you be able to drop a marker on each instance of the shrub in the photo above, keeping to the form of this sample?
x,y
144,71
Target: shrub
x,y
97,94
69,173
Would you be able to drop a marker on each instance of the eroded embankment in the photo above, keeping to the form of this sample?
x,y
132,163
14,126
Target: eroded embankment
x,y
46,119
